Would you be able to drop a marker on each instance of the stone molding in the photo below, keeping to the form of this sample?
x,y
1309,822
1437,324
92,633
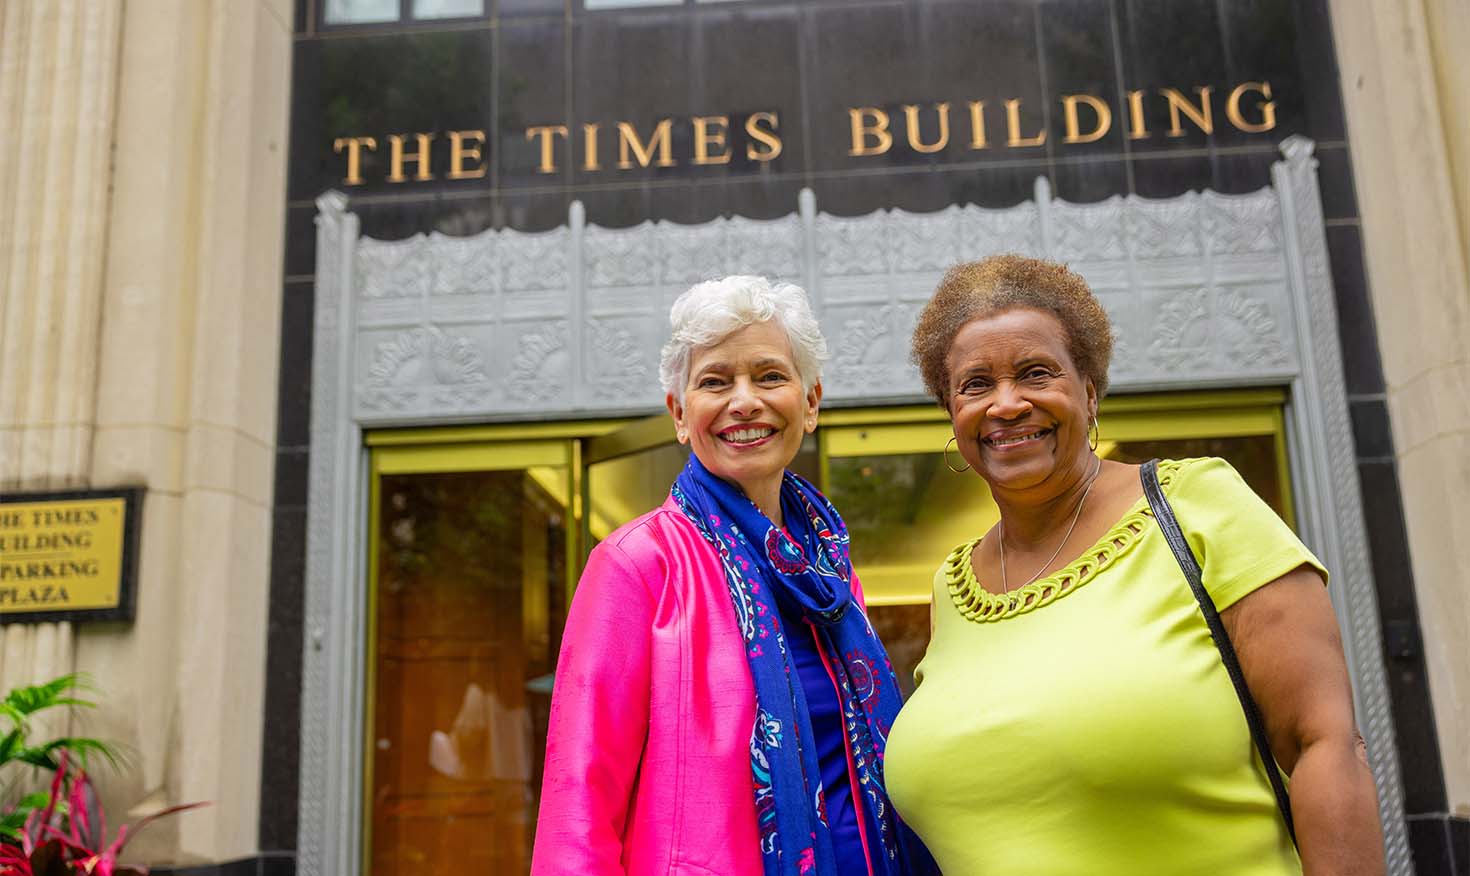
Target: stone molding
x,y
569,322
1324,463
1408,116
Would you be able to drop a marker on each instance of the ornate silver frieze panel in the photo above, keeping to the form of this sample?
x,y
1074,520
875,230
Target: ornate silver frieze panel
x,y
570,321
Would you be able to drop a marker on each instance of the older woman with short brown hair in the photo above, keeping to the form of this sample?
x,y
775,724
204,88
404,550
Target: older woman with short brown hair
x,y
1077,711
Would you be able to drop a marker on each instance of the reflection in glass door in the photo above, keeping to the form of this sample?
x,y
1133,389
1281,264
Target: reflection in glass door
x,y
904,511
468,602
629,472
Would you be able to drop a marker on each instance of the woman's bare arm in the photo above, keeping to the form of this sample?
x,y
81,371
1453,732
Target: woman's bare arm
x,y
1290,650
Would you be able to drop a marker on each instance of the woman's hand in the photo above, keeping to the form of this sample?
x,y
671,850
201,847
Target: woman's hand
x,y
1290,650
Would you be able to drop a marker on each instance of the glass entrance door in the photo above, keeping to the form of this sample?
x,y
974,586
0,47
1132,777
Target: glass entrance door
x,y
478,535
630,471
467,591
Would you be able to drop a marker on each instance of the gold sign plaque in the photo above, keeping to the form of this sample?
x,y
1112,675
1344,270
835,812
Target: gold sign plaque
x,y
68,556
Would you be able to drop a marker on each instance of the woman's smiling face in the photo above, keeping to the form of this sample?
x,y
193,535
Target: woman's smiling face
x,y
744,411
1019,407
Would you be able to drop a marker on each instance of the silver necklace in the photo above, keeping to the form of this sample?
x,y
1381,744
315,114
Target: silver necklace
x,y
1000,534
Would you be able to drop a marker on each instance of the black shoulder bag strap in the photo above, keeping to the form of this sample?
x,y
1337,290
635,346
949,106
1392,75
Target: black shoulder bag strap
x,y
1169,525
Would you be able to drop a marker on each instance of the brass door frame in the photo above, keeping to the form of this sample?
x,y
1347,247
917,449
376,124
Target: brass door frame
x,y
630,438
445,452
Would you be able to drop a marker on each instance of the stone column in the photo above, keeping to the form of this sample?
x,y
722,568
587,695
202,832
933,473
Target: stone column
x,y
58,81
1406,89
186,404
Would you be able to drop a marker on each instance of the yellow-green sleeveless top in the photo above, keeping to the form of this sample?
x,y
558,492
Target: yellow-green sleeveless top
x,y
1085,726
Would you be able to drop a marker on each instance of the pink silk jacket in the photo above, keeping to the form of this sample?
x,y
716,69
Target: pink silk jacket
x,y
648,746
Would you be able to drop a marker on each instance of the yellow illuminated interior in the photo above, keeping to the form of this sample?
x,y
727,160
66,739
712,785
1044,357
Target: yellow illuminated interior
x,y
923,509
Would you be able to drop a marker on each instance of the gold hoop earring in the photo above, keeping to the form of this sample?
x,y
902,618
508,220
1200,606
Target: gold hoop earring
x,y
1094,434
946,458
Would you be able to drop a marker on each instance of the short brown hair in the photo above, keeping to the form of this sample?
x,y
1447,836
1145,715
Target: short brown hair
x,y
974,290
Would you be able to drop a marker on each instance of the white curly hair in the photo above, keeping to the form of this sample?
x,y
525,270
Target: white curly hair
x,y
710,311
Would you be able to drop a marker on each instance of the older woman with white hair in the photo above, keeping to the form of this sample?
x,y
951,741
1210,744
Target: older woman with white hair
x,y
721,703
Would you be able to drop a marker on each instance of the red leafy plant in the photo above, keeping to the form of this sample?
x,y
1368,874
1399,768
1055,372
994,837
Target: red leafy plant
x,y
68,836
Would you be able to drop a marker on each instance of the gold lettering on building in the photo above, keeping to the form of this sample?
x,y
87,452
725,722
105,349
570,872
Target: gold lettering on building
x,y
1268,108
1102,116
458,152
704,138
547,134
1200,115
977,125
354,146
862,129
766,136
628,141
1013,127
589,146
711,141
420,158
1136,128
911,121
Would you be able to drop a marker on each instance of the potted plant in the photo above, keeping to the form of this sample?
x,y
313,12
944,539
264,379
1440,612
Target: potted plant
x,y
67,836
18,711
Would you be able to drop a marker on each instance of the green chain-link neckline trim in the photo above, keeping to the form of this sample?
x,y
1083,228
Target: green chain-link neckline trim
x,y
976,603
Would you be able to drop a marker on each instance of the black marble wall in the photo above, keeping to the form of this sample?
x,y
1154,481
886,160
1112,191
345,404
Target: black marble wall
x,y
806,64
529,63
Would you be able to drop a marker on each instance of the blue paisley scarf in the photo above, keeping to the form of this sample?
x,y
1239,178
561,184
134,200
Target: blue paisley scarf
x,y
807,569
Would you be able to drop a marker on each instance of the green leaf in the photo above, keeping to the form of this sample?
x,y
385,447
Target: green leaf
x,y
73,701
29,699
81,746
33,800
16,716
13,821
19,704
37,757
8,746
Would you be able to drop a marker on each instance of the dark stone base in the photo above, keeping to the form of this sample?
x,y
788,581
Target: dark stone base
x,y
264,864
1440,843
